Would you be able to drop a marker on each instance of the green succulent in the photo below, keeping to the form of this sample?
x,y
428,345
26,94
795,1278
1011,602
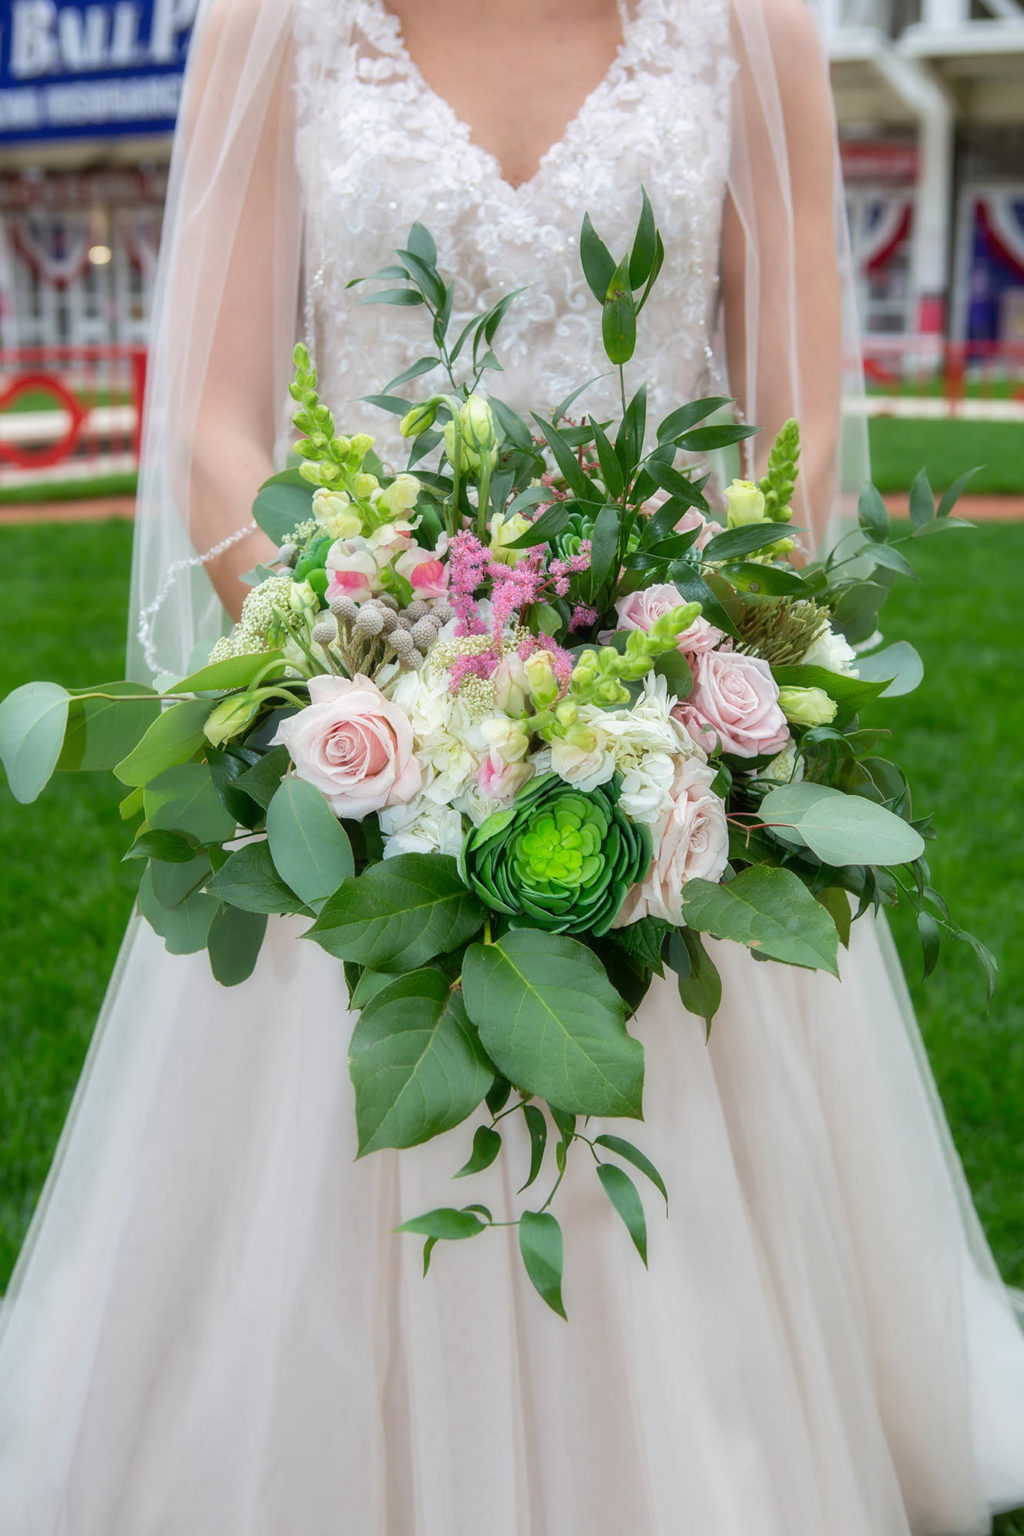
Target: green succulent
x,y
557,858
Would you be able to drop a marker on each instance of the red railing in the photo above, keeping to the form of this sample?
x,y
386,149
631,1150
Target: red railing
x,y
69,413
952,371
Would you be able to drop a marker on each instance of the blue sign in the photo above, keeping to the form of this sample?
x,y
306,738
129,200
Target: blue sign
x,y
86,69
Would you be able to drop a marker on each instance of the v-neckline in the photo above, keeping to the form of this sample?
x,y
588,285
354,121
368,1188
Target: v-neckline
x,y
513,189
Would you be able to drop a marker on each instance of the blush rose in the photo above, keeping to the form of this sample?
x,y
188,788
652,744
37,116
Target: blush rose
x,y
735,701
354,746
691,843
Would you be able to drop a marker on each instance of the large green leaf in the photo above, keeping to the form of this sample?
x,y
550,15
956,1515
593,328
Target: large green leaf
x,y
172,883
308,844
249,880
100,732
770,911
841,829
234,941
542,1249
899,663
283,501
184,927
553,1023
415,1062
175,736
184,799
399,914
32,724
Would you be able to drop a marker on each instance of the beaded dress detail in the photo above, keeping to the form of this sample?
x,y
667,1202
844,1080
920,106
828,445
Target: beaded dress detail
x,y
378,148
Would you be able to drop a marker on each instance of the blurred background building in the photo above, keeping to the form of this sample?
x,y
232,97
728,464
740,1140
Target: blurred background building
x,y
930,101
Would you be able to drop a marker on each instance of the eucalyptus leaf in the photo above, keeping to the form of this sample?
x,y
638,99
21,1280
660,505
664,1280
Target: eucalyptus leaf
x,y
173,883
309,846
184,799
33,720
899,662
101,731
184,927
283,502
839,828
234,942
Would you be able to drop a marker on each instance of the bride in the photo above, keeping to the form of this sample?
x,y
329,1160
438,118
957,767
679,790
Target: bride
x,y
213,1330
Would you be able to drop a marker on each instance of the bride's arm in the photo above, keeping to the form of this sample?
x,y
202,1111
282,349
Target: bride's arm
x,y
231,448
780,273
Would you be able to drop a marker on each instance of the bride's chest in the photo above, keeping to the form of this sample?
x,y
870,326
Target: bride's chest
x,y
378,147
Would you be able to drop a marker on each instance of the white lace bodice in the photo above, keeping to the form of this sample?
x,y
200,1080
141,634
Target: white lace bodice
x,y
378,148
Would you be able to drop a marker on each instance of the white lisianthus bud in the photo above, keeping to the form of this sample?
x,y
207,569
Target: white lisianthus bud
x,y
746,503
365,485
477,432
419,420
807,706
335,513
831,651
787,768
360,445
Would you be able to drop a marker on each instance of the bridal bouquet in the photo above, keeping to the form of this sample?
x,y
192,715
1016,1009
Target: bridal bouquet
x,y
515,730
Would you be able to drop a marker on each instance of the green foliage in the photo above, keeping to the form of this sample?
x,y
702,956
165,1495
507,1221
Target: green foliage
x,y
309,847
552,1023
399,914
416,1064
32,723
840,828
769,910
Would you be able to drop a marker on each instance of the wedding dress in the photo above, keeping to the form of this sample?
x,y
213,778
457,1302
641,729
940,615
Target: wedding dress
x,y
214,1330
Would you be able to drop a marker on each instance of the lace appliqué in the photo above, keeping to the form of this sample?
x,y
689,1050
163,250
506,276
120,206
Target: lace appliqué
x,y
377,148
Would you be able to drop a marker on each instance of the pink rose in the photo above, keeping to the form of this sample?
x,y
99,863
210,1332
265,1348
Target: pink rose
x,y
691,843
691,518
735,700
640,610
353,745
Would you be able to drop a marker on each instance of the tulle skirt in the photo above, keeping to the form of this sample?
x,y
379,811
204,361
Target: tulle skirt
x,y
214,1331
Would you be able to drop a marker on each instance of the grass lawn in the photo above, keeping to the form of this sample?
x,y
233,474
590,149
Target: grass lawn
x,y
69,490
946,448
65,896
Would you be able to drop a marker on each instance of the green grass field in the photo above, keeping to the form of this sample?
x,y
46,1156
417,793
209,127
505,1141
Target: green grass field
x,y
65,896
946,448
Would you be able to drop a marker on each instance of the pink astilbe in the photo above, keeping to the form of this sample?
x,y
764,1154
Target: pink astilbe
x,y
582,617
467,565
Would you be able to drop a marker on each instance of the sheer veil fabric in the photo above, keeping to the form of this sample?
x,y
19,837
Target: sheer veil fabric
x,y
212,1330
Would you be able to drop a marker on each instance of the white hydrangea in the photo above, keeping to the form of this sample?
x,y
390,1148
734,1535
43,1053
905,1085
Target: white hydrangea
x,y
449,742
421,826
646,787
831,651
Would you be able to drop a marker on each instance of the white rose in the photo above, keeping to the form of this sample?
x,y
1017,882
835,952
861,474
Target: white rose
x,y
831,651
690,843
